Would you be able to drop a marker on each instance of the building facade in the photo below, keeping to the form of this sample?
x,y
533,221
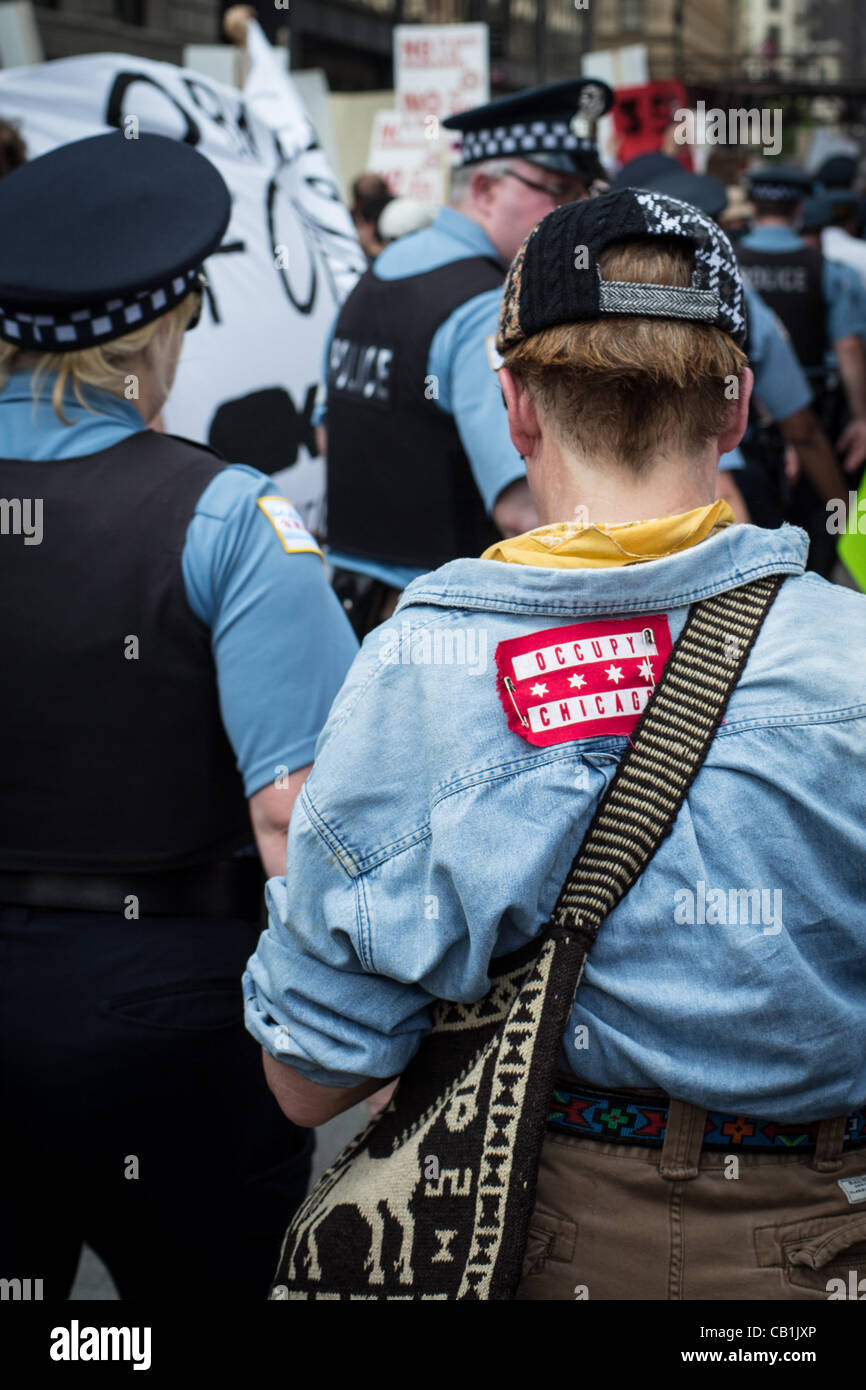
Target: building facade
x,y
146,28
683,38
531,40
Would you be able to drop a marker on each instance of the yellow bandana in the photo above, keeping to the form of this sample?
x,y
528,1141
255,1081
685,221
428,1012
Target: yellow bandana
x,y
572,545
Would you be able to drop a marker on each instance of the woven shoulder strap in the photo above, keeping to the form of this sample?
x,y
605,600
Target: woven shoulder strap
x,y
663,759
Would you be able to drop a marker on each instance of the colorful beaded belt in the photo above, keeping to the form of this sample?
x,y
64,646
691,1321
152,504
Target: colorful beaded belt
x,y
623,1118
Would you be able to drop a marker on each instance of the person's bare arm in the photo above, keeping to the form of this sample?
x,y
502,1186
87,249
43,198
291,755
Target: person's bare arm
x,y
270,813
514,511
852,369
307,1103
804,433
851,357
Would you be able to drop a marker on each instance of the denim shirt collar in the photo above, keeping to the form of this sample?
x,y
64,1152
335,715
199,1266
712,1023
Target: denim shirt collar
x,y
726,560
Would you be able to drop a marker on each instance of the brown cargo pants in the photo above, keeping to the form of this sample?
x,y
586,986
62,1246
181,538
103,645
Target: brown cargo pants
x,y
616,1221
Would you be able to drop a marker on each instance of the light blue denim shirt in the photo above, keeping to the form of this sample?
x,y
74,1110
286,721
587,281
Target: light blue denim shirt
x,y
430,838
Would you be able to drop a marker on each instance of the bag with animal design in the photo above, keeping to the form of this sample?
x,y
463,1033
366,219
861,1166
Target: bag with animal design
x,y
433,1199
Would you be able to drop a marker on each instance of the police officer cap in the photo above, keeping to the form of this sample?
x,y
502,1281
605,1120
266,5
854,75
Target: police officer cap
x,y
102,236
815,214
638,171
839,202
555,277
779,183
701,190
839,171
554,126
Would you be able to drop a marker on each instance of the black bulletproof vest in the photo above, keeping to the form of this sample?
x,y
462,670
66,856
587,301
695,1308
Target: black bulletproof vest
x,y
400,488
110,763
791,282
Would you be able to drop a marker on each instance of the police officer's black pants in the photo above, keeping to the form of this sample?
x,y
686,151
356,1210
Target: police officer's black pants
x,y
135,1114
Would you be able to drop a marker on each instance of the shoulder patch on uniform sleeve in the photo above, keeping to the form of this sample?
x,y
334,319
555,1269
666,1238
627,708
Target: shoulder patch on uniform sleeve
x,y
581,681
288,525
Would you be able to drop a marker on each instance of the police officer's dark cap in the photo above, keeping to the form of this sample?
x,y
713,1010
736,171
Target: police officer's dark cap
x,y
839,171
102,236
638,171
703,191
779,183
836,203
554,126
555,277
815,214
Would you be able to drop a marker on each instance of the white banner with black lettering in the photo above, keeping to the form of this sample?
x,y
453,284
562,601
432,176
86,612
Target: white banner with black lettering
x,y
248,375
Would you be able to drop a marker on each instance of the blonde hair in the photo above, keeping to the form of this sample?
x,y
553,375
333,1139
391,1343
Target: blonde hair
x,y
621,389
105,367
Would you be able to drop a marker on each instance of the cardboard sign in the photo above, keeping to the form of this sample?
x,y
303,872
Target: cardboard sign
x,y
441,68
408,154
643,115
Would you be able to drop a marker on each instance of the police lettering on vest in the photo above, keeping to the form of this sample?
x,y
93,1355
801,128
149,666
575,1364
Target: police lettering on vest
x,y
361,370
791,283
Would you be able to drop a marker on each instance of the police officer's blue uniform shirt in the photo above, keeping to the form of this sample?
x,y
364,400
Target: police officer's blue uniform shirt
x,y
430,837
781,384
242,582
844,308
458,364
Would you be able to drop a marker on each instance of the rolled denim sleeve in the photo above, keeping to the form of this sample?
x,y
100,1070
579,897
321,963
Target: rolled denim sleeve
x,y
309,997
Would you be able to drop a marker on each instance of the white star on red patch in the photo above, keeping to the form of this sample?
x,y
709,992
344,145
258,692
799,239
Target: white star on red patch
x,y
645,669
577,682
614,674
538,689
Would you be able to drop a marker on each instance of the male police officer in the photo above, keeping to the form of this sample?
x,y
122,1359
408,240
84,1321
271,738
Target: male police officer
x,y
418,454
170,651
808,292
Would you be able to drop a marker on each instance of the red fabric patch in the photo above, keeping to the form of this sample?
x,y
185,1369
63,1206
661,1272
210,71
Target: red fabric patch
x,y
567,683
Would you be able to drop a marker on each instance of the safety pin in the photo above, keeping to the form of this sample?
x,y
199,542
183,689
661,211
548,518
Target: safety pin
x,y
509,686
649,638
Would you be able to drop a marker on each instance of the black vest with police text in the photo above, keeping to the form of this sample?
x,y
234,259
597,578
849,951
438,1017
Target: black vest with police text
x,y
791,283
400,488
114,753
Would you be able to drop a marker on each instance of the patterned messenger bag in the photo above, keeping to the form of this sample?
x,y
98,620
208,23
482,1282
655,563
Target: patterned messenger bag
x,y
433,1199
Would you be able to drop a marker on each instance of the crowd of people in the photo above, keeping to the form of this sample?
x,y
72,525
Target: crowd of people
x,y
604,728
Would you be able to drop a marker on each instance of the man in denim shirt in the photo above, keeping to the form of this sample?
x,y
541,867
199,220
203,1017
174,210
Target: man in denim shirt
x,y
707,1130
